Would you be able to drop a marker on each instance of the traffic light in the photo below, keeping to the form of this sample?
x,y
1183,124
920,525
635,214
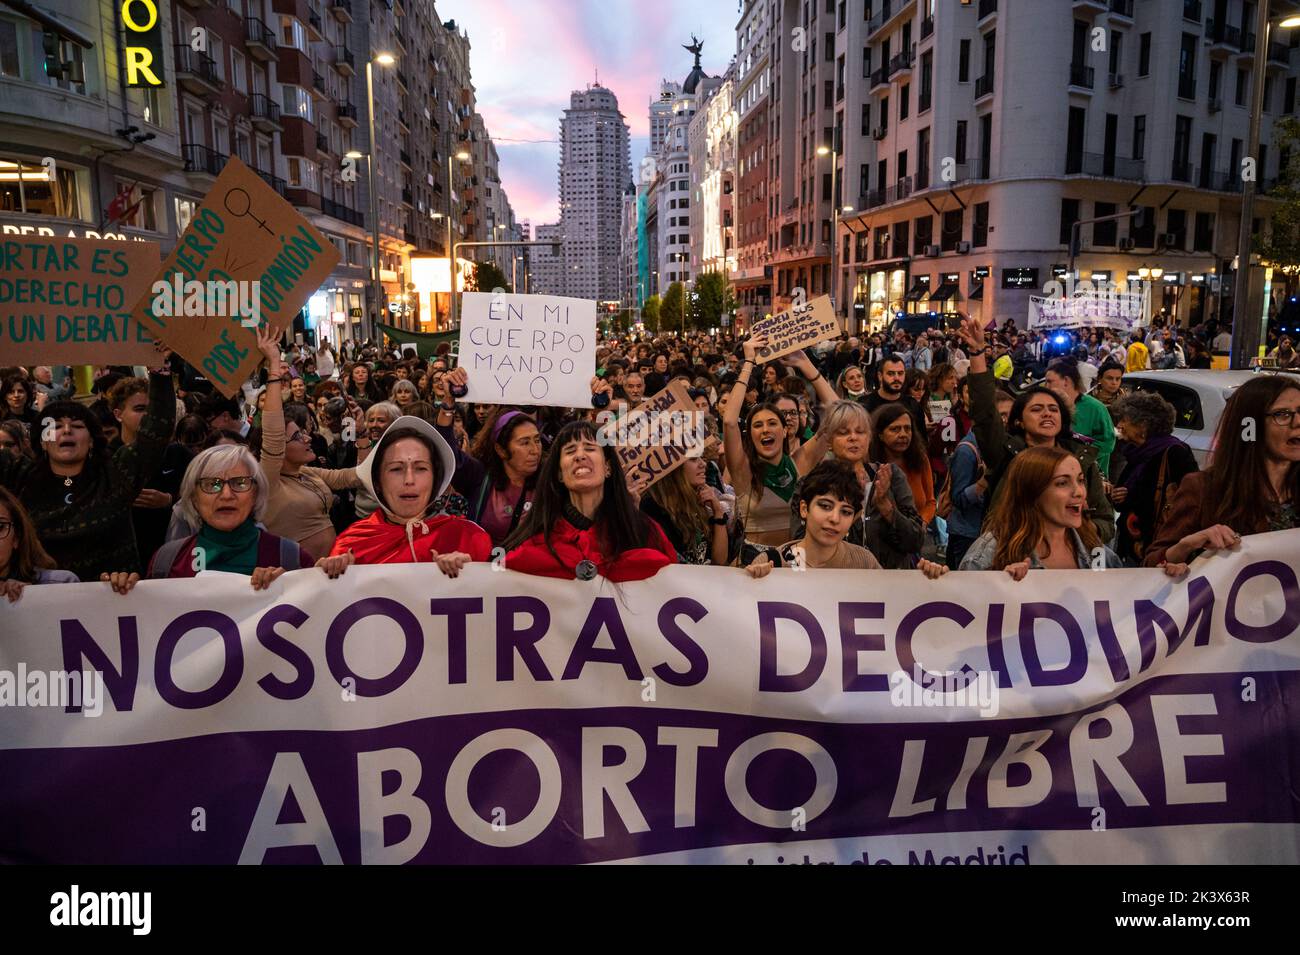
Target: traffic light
x,y
55,67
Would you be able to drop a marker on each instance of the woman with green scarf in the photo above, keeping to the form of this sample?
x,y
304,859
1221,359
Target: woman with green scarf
x,y
763,474
224,494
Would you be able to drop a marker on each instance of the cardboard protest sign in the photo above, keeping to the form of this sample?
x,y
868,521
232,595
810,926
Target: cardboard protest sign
x,y
653,441
69,301
800,327
248,258
528,349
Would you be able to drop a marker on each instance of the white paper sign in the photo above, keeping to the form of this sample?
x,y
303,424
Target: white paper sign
x,y
528,349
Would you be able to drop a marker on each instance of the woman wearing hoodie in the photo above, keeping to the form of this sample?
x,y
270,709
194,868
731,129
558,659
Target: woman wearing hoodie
x,y
410,468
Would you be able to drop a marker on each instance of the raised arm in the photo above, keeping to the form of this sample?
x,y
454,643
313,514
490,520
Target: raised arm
x,y
733,444
268,343
990,432
134,464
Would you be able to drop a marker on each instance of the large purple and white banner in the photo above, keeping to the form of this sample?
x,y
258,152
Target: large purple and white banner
x,y
395,715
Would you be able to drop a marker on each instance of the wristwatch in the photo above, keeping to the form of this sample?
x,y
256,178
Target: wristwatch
x,y
718,521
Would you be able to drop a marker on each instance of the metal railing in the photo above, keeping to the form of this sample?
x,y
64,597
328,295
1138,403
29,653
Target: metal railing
x,y
258,32
347,111
1222,33
1105,164
199,158
198,64
262,106
344,56
984,85
987,8
1182,171
1192,10
1082,76
1122,8
275,182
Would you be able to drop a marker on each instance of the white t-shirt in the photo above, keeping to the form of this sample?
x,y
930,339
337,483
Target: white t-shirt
x,y
325,363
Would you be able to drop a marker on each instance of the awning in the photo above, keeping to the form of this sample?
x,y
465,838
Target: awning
x,y
917,291
426,343
976,294
944,292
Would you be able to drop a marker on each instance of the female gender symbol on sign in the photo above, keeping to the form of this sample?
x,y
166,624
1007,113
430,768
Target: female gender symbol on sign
x,y
244,212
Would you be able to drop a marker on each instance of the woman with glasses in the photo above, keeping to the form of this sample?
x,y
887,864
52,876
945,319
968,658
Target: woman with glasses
x,y
1250,487
299,495
23,560
224,494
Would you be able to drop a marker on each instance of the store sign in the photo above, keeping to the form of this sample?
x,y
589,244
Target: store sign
x,y
142,47
980,273
65,230
1020,278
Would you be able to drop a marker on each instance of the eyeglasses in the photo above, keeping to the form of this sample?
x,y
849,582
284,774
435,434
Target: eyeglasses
x,y
300,435
240,485
5,528
1282,417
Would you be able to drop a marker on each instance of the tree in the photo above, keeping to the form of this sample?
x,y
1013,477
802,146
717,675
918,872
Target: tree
x,y
1281,245
650,313
488,277
711,299
673,308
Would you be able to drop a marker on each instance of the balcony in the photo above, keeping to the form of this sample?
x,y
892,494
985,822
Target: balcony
x,y
888,11
1279,53
275,182
927,28
1090,6
1222,37
986,9
344,61
1192,10
901,64
341,212
1225,180
401,78
410,237
346,114
879,77
322,143
408,197
402,118
1182,172
1248,46
314,25
197,72
1106,166
1121,8
970,171
203,161
265,112
259,39
983,86
342,10
405,157
317,83
1082,77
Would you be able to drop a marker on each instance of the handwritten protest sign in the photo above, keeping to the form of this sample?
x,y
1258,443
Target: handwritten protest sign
x,y
528,349
800,327
69,301
656,438
244,233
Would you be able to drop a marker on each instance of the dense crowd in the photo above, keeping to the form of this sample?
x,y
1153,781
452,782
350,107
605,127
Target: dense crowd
x,y
972,449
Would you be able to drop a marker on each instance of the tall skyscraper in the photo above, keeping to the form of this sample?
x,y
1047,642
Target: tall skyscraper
x,y
594,171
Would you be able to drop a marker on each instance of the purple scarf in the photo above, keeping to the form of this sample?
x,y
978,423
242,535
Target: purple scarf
x,y
1139,456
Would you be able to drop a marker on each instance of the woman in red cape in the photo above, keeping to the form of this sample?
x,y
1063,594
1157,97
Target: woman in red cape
x,y
409,469
583,521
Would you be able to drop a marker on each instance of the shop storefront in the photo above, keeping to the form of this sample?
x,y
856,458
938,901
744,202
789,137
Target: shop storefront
x,y
975,293
881,292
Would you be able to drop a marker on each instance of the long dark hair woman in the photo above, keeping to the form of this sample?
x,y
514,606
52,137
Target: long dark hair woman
x,y
894,440
23,560
500,472
584,521
1250,486
1039,418
691,513
79,495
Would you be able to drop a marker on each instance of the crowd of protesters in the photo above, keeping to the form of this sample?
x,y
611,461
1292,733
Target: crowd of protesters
x,y
975,448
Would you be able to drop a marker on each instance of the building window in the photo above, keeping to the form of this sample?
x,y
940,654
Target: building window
x,y
298,102
1105,233
1187,67
904,101
238,71
1069,216
1144,54
950,230
1243,78
960,148
185,209
142,204
150,105
293,34
1139,137
963,62
25,187
9,64
979,236
302,174
1203,236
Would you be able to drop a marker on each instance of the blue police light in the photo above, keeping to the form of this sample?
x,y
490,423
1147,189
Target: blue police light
x,y
1059,339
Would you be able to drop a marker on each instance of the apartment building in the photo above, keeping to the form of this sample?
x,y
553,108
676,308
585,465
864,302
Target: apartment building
x,y
593,172
751,279
546,270
801,135
105,140
977,134
712,146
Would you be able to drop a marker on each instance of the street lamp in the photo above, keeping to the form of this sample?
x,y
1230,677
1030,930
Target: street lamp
x,y
460,156
1247,335
835,217
383,59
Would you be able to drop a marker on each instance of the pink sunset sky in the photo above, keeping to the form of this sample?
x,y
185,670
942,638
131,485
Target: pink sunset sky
x,y
527,56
